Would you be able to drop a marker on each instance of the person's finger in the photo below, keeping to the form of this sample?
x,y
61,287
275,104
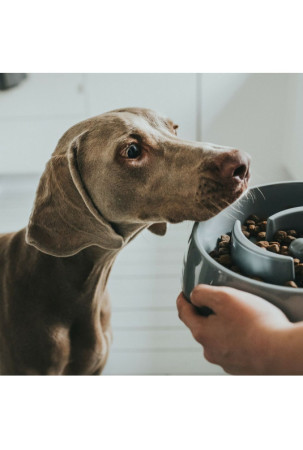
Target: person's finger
x,y
191,318
214,297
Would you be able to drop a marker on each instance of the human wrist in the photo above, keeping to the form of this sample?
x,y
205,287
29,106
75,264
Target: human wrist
x,y
283,346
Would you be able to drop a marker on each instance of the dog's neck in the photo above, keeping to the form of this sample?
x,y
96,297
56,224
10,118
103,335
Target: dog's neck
x,y
128,231
99,261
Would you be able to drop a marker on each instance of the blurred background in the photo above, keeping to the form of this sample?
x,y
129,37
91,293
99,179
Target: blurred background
x,y
261,114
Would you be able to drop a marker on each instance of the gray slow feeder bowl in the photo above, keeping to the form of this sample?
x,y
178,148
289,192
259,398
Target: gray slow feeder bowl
x,y
283,204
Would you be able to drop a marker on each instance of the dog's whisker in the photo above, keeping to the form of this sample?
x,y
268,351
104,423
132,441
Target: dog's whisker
x,y
259,190
228,214
224,212
235,209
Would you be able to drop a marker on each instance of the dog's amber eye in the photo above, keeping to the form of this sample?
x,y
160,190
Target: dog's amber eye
x,y
133,151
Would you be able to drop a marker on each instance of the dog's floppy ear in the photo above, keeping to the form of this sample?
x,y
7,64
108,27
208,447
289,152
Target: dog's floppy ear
x,y
158,228
64,219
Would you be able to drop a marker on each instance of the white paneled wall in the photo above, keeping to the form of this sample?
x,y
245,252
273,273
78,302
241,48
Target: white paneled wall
x,y
146,278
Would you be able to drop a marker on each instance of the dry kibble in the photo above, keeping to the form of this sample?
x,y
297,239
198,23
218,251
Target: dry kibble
x,y
225,260
252,230
280,235
289,239
263,225
255,228
225,238
224,244
261,235
215,255
284,250
263,244
224,251
292,233
254,218
275,248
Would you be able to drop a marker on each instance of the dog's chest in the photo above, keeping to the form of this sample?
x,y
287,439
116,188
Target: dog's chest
x,y
89,339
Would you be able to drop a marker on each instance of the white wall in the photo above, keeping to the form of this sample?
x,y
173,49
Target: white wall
x,y
259,113
293,138
34,115
242,110
251,112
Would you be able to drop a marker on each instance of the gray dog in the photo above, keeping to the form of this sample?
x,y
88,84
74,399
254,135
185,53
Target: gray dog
x,y
109,177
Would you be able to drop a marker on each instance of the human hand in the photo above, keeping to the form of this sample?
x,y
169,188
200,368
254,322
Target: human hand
x,y
243,334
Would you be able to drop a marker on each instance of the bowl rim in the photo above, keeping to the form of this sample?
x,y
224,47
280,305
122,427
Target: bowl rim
x,y
236,275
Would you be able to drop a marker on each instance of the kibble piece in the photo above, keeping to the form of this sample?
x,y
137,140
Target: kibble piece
x,y
225,238
246,234
296,261
291,284
284,250
275,248
235,269
224,251
252,229
280,235
261,236
244,228
225,260
254,218
214,254
263,244
263,225
224,244
289,239
292,233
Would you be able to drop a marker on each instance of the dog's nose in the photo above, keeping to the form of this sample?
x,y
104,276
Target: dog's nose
x,y
233,164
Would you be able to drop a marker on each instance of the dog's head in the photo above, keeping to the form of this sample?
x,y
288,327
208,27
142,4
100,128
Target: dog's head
x,y
128,167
